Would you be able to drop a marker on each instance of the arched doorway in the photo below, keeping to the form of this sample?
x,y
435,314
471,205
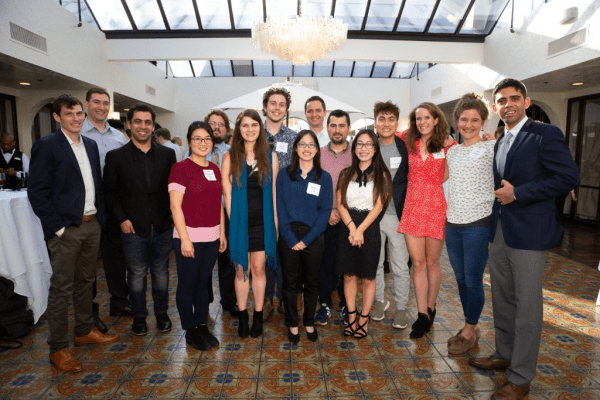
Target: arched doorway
x,y
534,112
43,123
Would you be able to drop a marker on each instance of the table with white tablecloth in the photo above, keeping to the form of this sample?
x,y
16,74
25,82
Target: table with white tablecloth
x,y
23,252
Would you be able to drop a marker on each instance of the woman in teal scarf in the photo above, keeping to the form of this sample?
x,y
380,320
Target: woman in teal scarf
x,y
248,175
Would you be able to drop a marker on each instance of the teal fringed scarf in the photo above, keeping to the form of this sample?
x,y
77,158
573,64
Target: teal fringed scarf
x,y
238,223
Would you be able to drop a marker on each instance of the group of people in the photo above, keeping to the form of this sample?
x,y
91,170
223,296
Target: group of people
x,y
307,212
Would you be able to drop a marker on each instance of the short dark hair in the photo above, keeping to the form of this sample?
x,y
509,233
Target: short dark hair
x,y
66,101
315,98
386,107
143,107
295,163
163,133
199,125
339,114
510,82
277,90
220,114
92,91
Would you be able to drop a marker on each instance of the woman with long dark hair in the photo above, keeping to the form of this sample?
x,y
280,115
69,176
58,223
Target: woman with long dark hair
x,y
470,201
363,191
305,196
248,173
424,212
195,191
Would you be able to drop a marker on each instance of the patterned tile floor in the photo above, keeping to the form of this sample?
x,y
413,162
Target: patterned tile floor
x,y
385,365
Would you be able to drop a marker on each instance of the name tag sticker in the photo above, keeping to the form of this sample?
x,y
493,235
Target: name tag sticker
x,y
210,175
313,188
281,147
477,153
395,162
439,155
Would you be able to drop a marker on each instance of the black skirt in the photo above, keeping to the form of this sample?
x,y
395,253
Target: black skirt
x,y
354,261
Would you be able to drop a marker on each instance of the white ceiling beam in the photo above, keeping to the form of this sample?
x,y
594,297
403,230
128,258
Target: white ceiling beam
x,y
242,49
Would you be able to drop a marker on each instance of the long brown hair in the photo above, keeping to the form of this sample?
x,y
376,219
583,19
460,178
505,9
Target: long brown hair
x,y
237,152
382,179
440,131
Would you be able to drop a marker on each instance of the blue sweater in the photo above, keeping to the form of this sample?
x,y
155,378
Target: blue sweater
x,y
295,204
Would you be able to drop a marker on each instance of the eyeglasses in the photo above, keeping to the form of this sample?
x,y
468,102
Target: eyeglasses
x,y
367,145
303,145
215,123
202,140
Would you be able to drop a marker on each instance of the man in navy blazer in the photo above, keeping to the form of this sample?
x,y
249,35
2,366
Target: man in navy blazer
x,y
65,192
532,166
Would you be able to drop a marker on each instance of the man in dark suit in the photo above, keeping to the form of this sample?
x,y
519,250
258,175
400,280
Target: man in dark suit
x,y
136,178
532,166
66,194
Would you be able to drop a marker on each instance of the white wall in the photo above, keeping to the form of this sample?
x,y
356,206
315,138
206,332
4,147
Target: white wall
x,y
196,96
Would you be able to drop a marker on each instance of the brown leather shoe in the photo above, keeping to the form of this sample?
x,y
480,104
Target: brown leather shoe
x,y
461,345
95,337
510,391
64,361
489,363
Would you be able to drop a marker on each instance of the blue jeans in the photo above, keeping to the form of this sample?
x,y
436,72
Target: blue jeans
x,y
468,253
193,276
143,254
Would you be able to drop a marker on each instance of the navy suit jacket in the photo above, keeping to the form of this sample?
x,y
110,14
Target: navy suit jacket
x,y
55,189
399,180
540,167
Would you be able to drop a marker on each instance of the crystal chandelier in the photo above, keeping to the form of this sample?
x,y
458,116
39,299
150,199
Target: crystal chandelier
x,y
300,40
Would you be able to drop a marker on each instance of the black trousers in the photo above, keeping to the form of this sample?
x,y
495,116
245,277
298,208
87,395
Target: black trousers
x,y
305,263
226,273
115,267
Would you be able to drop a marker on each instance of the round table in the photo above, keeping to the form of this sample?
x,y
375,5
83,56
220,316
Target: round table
x,y
23,252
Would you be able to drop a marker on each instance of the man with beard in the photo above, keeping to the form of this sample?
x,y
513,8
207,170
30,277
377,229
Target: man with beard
x,y
335,156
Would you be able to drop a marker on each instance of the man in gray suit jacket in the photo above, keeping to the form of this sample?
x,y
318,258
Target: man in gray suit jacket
x,y
532,166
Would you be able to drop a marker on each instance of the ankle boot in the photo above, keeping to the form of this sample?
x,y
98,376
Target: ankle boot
x,y
420,327
243,328
257,324
431,315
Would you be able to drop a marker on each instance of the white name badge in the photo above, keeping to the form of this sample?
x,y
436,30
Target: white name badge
x,y
477,153
281,147
395,162
210,175
439,155
313,188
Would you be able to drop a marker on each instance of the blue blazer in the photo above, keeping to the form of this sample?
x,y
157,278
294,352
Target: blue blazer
x,y
56,190
540,167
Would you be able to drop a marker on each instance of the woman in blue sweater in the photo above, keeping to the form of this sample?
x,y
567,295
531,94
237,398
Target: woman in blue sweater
x,y
304,199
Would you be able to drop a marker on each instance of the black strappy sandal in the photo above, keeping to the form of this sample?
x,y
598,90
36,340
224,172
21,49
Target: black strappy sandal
x,y
349,330
361,327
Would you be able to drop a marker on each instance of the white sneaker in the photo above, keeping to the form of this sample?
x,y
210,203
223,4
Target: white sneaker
x,y
378,310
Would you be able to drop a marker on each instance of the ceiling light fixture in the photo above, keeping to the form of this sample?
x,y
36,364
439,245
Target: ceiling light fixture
x,y
577,83
300,40
25,83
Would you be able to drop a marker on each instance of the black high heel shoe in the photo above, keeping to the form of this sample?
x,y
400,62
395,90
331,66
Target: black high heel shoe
x,y
349,330
243,328
360,332
312,336
420,327
293,338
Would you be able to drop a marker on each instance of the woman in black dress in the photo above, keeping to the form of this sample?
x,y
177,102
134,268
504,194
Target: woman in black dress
x,y
248,175
363,191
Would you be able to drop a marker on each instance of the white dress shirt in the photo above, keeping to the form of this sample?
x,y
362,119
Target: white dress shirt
x,y
24,159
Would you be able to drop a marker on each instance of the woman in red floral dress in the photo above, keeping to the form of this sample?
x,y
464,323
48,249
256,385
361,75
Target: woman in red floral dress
x,y
424,214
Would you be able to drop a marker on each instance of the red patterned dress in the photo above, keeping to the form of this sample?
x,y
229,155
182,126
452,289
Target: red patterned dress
x,y
424,212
